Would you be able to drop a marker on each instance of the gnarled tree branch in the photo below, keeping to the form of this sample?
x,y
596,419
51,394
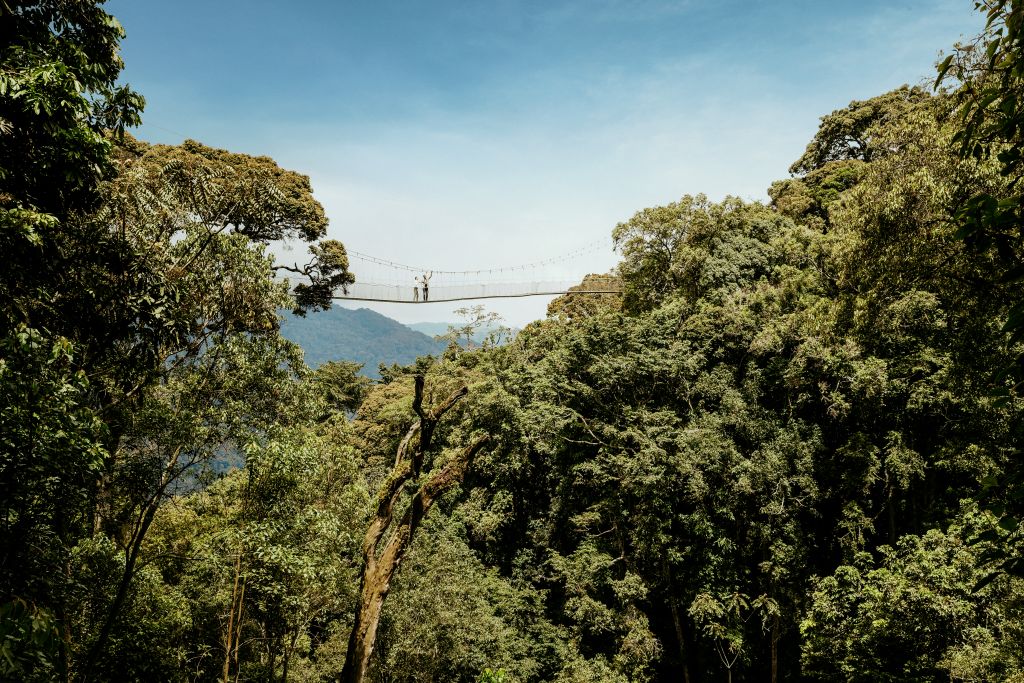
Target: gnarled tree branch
x,y
379,569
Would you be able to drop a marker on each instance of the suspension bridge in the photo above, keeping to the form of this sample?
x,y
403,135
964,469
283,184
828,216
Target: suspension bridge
x,y
383,280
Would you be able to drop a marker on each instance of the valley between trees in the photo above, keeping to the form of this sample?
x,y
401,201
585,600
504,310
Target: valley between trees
x,y
790,450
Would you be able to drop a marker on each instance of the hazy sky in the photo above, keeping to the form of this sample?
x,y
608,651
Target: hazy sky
x,y
463,135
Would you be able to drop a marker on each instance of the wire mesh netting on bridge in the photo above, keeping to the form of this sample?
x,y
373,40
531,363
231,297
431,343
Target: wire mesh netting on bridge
x,y
371,291
379,279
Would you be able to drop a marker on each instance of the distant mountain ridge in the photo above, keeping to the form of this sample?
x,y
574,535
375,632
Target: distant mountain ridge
x,y
360,335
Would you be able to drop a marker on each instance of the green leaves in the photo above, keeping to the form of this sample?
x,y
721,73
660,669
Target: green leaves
x,y
287,525
328,273
58,95
165,192
695,249
943,68
29,640
51,451
921,609
849,133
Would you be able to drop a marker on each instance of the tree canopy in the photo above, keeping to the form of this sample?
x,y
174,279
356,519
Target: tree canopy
x,y
789,450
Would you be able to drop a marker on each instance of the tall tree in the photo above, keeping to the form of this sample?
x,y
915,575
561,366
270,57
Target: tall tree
x,y
987,75
59,65
381,558
198,219
148,261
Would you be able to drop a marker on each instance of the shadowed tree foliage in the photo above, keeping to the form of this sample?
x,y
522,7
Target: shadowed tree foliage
x,y
139,284
914,613
58,97
987,74
59,65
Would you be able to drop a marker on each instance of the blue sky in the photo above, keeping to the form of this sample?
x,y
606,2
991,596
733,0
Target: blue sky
x,y
464,135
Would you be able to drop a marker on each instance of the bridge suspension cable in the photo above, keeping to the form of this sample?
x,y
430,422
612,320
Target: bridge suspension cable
x,y
590,248
384,280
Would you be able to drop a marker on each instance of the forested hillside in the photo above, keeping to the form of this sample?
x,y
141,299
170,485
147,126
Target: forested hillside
x,y
361,336
791,450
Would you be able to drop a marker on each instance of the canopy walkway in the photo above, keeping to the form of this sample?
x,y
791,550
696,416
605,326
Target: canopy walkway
x,y
381,280
374,291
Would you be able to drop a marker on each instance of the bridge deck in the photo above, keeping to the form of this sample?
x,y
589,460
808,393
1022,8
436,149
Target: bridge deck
x,y
378,292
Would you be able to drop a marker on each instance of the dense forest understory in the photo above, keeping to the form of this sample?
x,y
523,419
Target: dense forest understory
x,y
790,450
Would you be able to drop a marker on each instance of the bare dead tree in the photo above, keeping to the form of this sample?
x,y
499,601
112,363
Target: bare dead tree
x,y
381,563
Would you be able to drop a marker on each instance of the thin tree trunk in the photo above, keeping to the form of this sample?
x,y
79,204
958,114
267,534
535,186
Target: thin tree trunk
x,y
378,571
64,661
892,520
127,574
678,623
238,629
775,651
131,559
680,637
63,621
288,656
231,620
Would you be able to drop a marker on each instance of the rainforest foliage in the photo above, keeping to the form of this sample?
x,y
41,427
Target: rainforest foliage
x,y
791,450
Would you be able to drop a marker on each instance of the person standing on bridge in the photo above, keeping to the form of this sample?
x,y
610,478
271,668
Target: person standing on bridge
x,y
416,290
426,285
